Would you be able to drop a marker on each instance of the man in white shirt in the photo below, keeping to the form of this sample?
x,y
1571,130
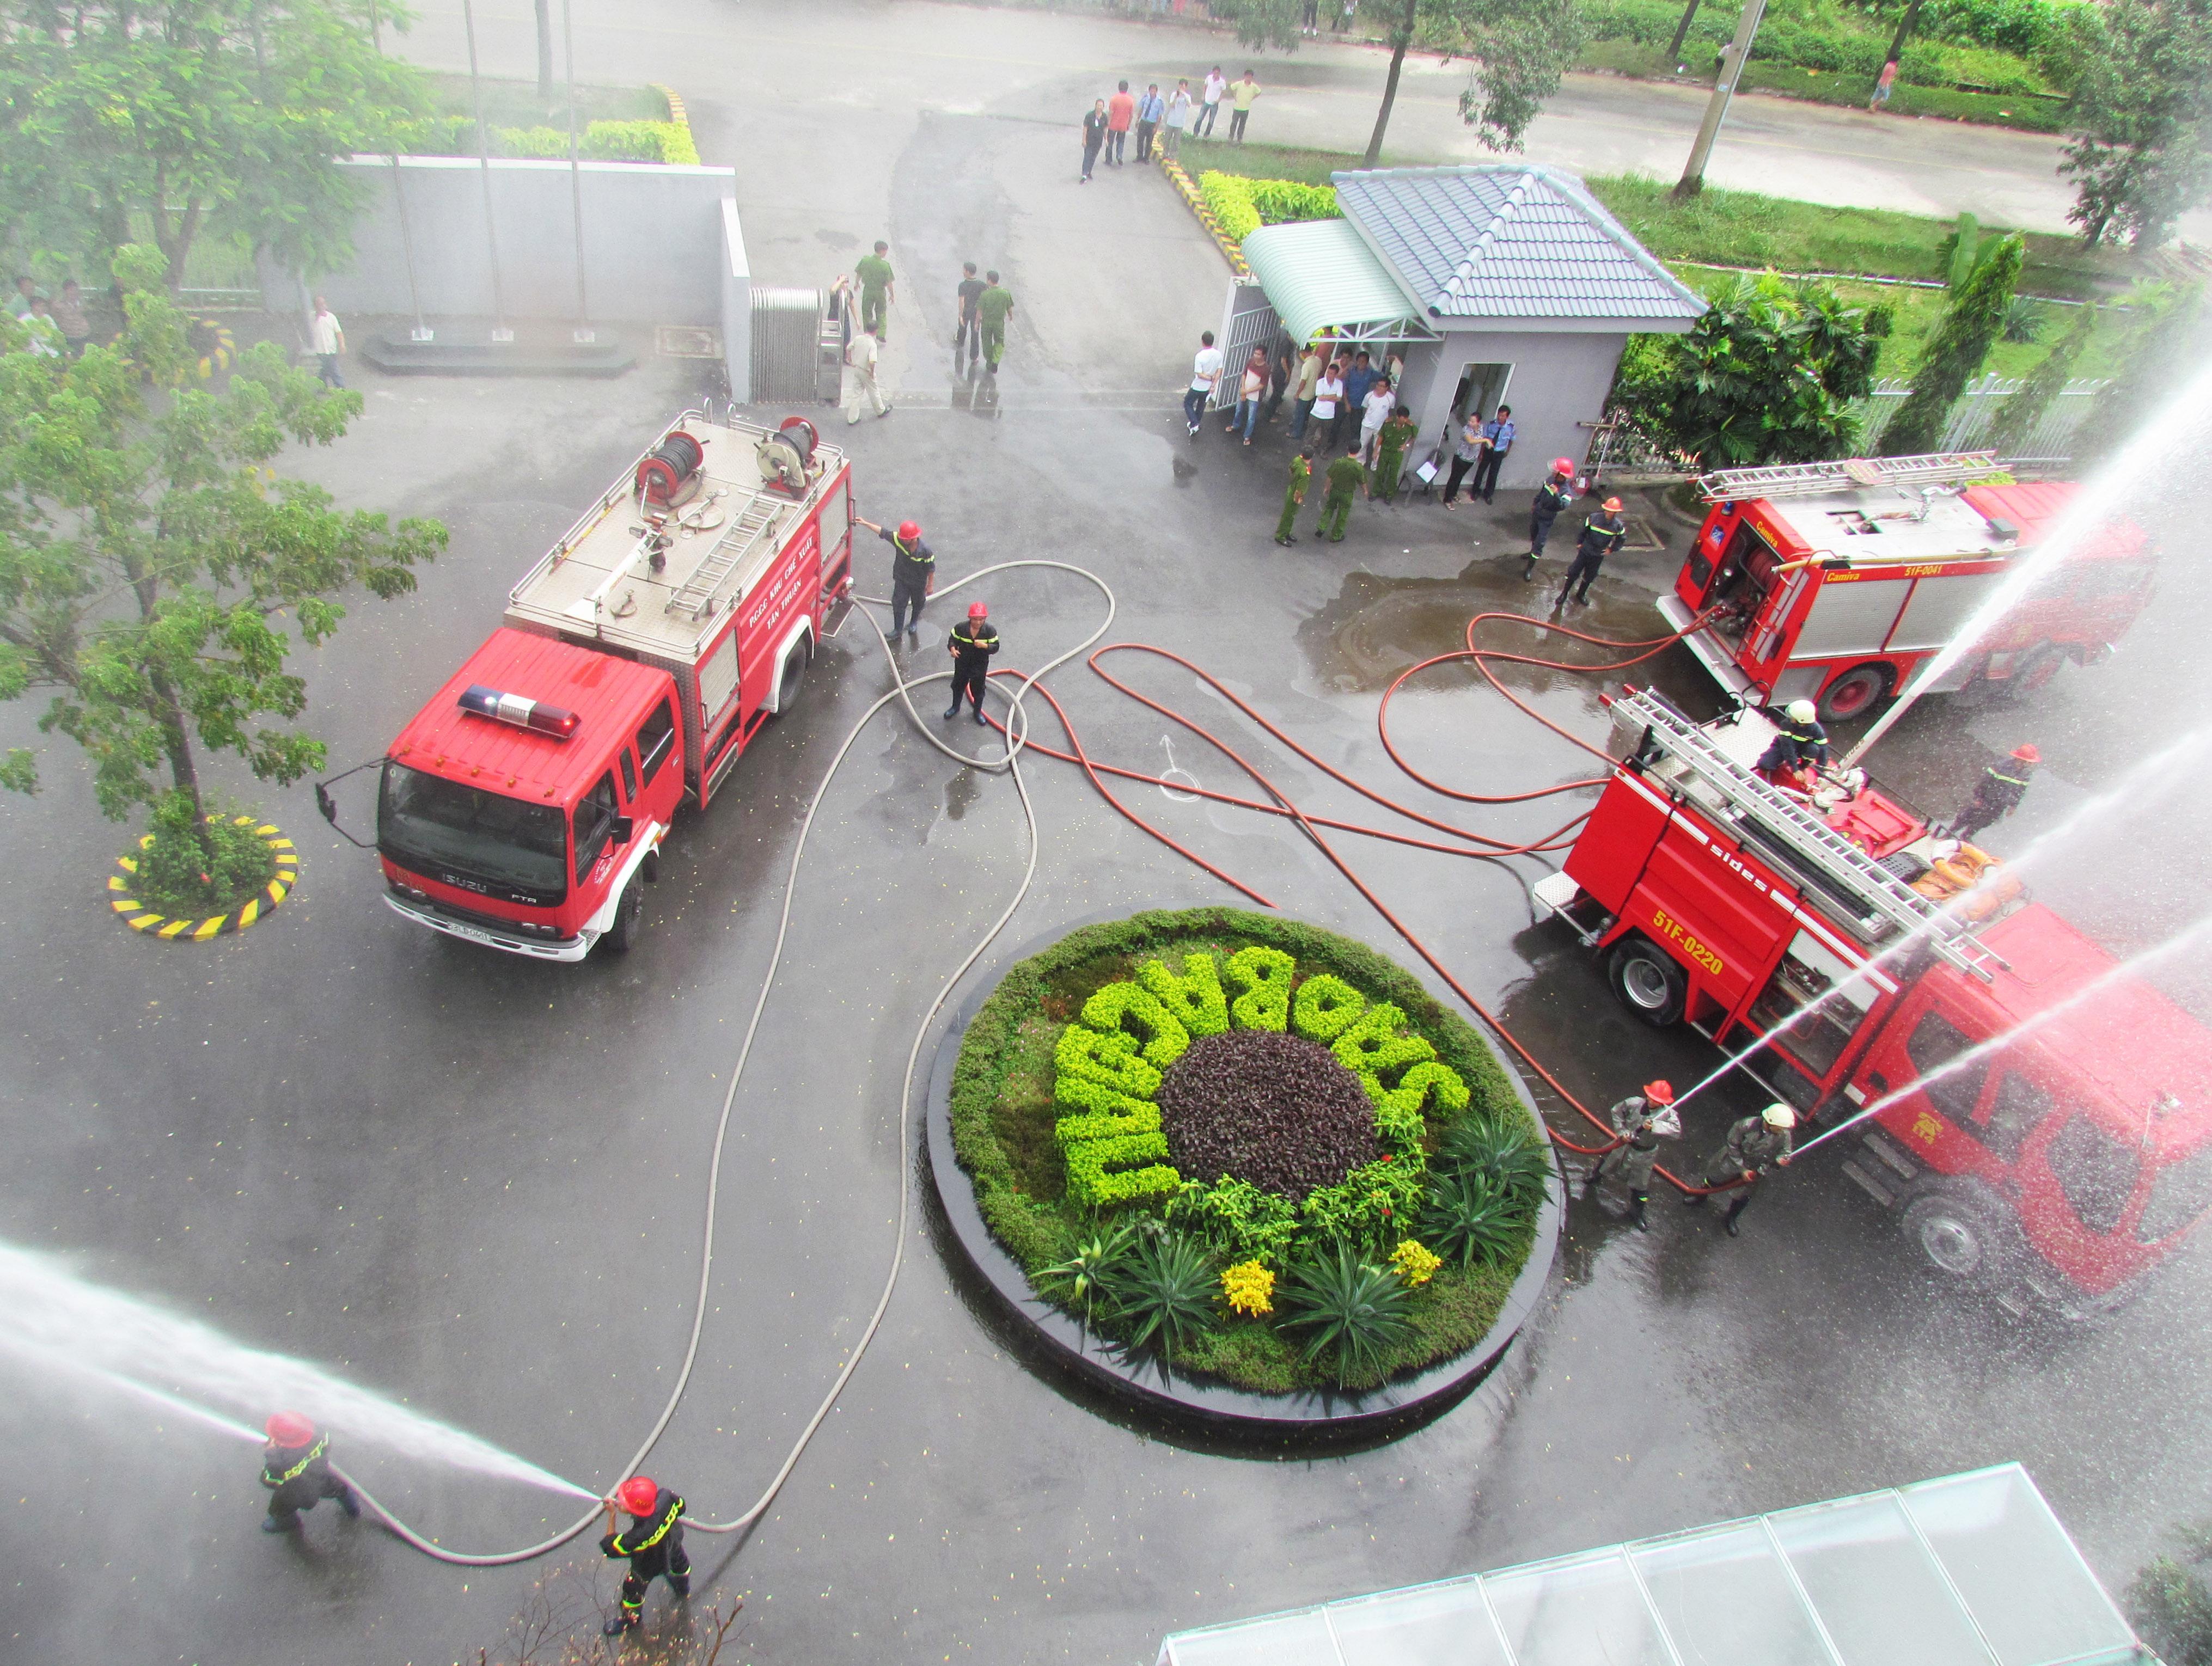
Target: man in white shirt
x,y
1209,102
326,341
1205,371
1178,119
861,375
1375,412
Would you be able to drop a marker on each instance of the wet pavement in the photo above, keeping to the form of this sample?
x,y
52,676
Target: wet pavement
x,y
475,1183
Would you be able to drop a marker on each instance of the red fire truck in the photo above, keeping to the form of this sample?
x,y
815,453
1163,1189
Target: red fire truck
x,y
1833,581
2056,1168
524,807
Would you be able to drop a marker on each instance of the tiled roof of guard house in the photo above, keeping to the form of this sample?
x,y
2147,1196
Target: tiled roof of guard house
x,y
1513,241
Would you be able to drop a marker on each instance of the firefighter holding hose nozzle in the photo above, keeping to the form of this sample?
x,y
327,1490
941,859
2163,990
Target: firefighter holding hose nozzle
x,y
295,1467
1641,1120
1800,746
1998,793
653,1542
1752,1146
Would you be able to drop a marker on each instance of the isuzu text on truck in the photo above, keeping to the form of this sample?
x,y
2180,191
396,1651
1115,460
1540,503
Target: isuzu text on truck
x,y
2055,1168
1834,582
524,806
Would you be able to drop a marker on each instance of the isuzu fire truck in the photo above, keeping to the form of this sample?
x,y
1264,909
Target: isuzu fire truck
x,y
523,808
2057,1168
1832,582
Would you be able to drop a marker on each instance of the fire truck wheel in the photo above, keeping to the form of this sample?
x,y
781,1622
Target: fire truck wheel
x,y
1648,982
1855,693
629,918
1962,1234
2034,672
794,675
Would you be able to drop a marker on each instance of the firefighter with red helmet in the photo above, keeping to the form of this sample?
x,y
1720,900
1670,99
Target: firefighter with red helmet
x,y
1602,533
913,575
295,1467
1998,793
653,1542
971,645
1551,499
1641,1121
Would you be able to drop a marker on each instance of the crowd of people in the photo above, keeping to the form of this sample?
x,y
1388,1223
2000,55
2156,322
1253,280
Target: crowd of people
x,y
1158,120
54,326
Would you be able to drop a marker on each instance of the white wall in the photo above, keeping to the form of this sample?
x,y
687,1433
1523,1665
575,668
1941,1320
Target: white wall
x,y
1559,381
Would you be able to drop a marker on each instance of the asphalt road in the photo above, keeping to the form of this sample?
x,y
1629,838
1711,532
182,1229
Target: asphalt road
x,y
475,1184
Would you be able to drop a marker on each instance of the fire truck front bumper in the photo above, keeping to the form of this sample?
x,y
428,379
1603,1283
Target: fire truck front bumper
x,y
1711,652
490,935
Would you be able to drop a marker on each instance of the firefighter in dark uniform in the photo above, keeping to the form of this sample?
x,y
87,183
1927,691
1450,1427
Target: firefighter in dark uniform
x,y
1641,1120
295,1467
1998,793
913,575
1754,1145
1602,533
971,646
1551,499
653,1542
1799,744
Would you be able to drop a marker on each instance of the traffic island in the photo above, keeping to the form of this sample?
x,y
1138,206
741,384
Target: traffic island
x,y
1244,1172
247,890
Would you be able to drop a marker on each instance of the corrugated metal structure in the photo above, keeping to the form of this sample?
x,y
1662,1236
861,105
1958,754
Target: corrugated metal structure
x,y
789,349
1321,272
1971,1570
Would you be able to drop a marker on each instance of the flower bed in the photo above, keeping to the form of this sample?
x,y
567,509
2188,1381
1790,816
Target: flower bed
x,y
1256,1149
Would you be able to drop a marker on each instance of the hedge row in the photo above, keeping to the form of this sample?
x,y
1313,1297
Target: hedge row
x,y
1241,206
601,141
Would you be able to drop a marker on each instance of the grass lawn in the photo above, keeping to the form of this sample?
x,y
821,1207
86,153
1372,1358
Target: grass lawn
x,y
516,103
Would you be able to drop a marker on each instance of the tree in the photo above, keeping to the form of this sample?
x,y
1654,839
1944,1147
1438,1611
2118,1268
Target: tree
x,y
2018,416
177,118
148,553
2164,342
1767,375
2142,119
1520,48
1955,348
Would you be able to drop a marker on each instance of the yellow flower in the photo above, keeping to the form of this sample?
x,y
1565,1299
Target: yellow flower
x,y
1248,1285
1414,1263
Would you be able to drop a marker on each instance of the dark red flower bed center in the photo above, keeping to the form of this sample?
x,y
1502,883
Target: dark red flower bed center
x,y
1275,1110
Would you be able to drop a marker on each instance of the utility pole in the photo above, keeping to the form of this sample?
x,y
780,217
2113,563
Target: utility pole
x,y
1681,33
545,53
1732,62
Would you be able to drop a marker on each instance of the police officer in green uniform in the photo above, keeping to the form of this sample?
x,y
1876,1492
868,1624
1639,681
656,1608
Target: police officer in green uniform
x,y
653,1542
971,645
993,308
876,286
1344,478
295,1467
1392,440
1293,496
1641,1121
1754,1145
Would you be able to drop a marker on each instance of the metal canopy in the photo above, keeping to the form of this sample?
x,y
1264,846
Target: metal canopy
x,y
1971,1570
1321,273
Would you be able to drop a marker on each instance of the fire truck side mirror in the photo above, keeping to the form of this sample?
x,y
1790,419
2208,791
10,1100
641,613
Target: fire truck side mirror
x,y
625,826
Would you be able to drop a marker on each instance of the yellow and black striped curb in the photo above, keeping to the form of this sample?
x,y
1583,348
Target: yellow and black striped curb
x,y
677,113
1190,193
140,917
222,356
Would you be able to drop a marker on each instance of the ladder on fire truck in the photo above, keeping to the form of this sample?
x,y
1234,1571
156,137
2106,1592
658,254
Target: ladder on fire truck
x,y
756,521
1808,840
1810,480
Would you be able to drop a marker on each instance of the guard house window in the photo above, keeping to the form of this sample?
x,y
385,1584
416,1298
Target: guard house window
x,y
1809,971
655,740
595,821
1933,1043
2096,1172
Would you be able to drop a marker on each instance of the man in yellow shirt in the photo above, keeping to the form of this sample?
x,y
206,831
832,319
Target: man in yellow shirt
x,y
1241,95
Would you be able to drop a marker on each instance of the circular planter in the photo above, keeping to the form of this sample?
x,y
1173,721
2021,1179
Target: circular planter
x,y
140,917
1147,1381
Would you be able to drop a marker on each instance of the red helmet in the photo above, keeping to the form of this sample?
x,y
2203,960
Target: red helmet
x,y
638,1494
1659,1093
290,1428
1562,466
977,610
909,530
2028,753
1613,505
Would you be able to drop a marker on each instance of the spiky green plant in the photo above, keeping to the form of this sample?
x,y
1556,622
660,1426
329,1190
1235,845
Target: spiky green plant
x,y
1470,1217
1506,1152
1164,1290
1084,1276
1352,1313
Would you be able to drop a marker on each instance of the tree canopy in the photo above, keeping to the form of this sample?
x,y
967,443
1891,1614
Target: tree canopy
x,y
1767,375
2142,151
171,119
149,556
1955,348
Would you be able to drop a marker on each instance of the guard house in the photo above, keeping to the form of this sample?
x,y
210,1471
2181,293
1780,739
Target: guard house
x,y
1495,284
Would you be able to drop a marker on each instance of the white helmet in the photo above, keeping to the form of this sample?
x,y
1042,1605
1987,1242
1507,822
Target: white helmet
x,y
1779,1114
1801,710
1667,1124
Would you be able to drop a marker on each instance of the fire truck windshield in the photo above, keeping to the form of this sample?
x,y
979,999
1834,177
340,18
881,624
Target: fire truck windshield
x,y
428,824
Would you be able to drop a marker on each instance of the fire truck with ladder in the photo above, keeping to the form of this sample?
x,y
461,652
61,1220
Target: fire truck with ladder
x,y
2057,1167
1832,582
523,808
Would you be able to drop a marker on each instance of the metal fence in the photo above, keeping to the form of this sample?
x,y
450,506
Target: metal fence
x,y
1971,418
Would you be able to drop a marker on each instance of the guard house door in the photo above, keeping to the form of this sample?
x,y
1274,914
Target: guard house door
x,y
1481,391
1248,320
